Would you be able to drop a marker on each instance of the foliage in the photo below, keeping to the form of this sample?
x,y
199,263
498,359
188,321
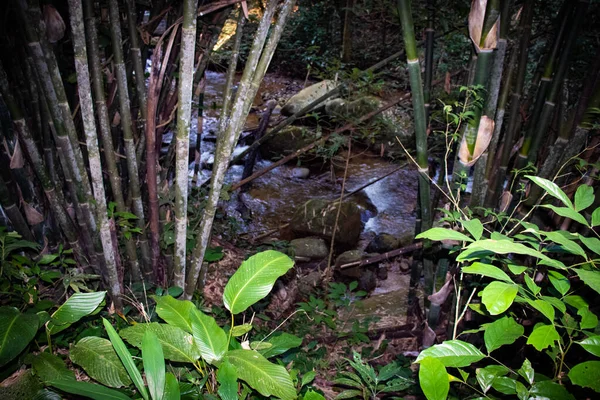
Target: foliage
x,y
543,306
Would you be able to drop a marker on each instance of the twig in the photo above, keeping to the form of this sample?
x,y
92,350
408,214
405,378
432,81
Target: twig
x,y
372,260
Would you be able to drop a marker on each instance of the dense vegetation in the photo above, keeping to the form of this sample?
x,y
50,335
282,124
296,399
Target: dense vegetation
x,y
127,270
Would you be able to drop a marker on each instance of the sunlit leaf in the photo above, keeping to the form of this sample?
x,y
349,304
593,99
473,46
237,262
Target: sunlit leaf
x,y
498,296
502,332
543,336
433,379
586,374
439,234
453,353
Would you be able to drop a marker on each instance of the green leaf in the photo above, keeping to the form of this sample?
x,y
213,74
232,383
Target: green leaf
x,y
213,254
267,378
312,395
349,394
16,331
433,379
543,307
453,353
51,368
487,270
591,344
589,320
154,365
210,338
566,243
255,279
100,361
474,226
76,307
586,374
584,197
439,234
505,385
568,213
591,243
280,344
531,285
171,387
501,332
498,296
559,281
527,372
308,378
90,390
596,217
486,376
502,247
549,390
228,385
552,189
176,344
175,312
126,358
543,336
240,330
590,278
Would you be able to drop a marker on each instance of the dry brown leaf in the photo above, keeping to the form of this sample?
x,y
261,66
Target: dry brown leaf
x,y
439,297
33,216
447,83
476,16
484,136
428,338
55,26
505,200
16,160
245,9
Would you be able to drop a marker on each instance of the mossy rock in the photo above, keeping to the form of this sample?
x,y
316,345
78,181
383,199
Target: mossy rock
x,y
287,141
317,218
306,96
21,385
312,247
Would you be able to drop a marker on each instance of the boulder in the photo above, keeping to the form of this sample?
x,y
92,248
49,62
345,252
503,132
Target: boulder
x,y
313,248
301,173
317,218
348,257
384,242
307,96
287,141
352,109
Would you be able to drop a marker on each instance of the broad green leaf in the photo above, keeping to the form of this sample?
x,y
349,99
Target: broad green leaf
x,y
552,189
240,330
557,303
502,247
559,281
543,307
76,307
280,344
531,285
228,381
154,365
586,374
522,392
310,376
258,345
516,269
474,226
126,358
171,388
210,338
590,278
487,270
498,296
486,376
575,301
453,353
501,332
49,368
349,394
176,344
584,197
591,344
100,361
267,378
439,234
312,395
175,312
568,213
589,320
527,372
46,394
591,243
549,390
433,379
505,385
91,390
566,243
16,331
543,336
254,279
596,217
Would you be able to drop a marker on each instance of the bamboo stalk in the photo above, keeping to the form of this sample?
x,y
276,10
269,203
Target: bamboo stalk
x,y
227,139
126,126
182,144
13,213
429,42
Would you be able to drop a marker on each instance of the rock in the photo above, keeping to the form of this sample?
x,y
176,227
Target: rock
x,y
367,280
287,141
301,173
352,109
382,272
349,257
383,242
306,96
317,218
307,283
404,266
311,247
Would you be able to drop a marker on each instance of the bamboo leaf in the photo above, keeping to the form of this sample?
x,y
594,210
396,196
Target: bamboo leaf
x,y
543,336
154,365
433,379
552,189
584,197
487,270
453,353
590,278
76,307
91,390
100,361
591,344
16,331
176,344
126,359
439,234
267,378
586,374
498,296
255,279
210,338
228,381
502,332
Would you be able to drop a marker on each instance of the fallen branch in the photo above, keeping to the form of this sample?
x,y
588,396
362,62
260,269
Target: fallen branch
x,y
372,260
